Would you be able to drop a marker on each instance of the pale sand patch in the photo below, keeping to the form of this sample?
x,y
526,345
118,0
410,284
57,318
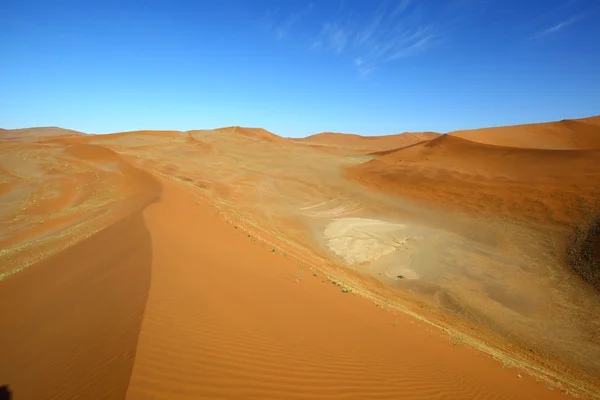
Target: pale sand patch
x,y
363,240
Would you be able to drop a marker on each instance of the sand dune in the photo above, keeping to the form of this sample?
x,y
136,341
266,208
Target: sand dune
x,y
257,133
366,144
185,265
29,134
544,185
563,135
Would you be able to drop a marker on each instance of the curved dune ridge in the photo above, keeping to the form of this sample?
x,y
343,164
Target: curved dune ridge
x,y
457,173
368,143
256,133
155,296
563,135
29,134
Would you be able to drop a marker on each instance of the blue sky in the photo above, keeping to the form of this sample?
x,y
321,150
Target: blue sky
x,y
297,67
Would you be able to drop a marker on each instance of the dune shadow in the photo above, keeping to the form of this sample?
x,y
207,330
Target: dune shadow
x,y
70,324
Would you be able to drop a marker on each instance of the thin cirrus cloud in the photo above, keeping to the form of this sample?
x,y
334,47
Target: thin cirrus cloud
x,y
390,32
557,27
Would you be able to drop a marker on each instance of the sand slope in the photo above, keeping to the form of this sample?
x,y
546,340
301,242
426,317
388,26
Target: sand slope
x,y
563,135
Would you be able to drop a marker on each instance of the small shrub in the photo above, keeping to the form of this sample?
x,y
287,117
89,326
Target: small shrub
x,y
583,252
400,276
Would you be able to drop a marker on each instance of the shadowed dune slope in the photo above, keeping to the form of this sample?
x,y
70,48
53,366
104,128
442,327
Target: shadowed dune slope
x,y
368,143
70,323
566,135
461,174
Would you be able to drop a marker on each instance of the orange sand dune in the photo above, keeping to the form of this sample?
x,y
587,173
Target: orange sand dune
x,y
452,172
591,120
257,133
563,135
157,133
368,143
36,133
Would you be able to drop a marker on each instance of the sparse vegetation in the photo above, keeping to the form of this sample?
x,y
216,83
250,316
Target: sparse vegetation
x,y
400,277
583,252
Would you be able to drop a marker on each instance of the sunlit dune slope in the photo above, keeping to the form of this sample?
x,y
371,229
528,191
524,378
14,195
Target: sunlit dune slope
x,y
365,144
563,135
451,172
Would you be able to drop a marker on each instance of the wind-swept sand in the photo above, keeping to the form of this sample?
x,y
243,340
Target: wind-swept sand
x,y
238,264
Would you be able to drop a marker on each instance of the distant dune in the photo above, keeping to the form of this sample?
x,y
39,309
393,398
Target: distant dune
x,y
368,143
563,135
257,133
29,134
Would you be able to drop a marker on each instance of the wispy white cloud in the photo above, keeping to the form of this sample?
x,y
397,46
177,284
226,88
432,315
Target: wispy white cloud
x,y
373,34
390,32
282,29
557,27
